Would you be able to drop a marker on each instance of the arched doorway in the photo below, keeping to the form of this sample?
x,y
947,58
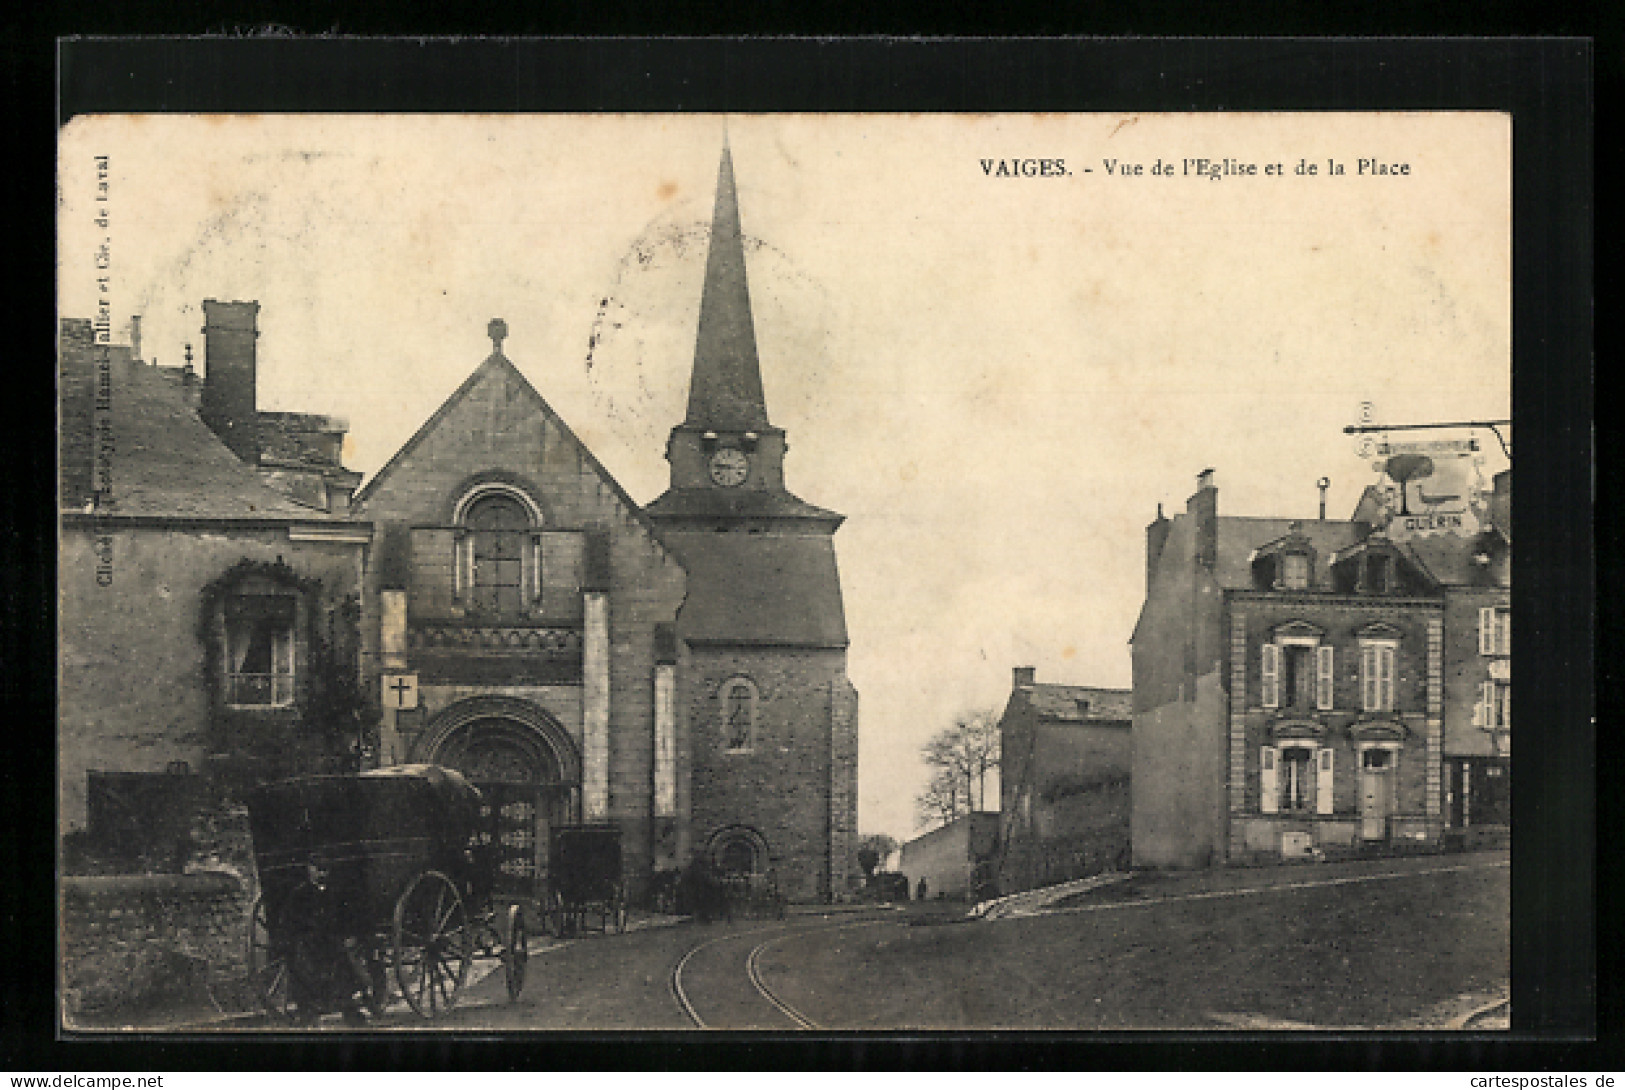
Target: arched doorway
x,y
528,768
739,852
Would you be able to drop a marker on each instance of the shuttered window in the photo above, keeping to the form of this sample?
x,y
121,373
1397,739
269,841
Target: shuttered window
x,y
1377,677
1494,631
1324,675
1323,782
1271,674
1269,788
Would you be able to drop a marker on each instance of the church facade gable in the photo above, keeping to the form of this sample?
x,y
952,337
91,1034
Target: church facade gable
x,y
522,593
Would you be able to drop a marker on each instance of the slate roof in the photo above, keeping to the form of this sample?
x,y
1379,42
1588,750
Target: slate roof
x,y
166,462
760,588
1080,703
1240,536
676,503
725,391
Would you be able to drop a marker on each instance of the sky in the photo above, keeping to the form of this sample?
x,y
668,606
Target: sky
x,y
996,376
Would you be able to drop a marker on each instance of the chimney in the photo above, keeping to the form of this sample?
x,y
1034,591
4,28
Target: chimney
x,y
1024,676
1156,536
135,338
229,398
1203,507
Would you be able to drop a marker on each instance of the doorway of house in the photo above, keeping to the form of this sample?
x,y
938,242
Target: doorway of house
x,y
1376,792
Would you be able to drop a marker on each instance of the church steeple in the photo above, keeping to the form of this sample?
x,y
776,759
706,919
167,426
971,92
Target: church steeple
x,y
727,461
725,391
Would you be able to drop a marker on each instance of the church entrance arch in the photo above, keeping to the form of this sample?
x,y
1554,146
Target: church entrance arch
x,y
529,770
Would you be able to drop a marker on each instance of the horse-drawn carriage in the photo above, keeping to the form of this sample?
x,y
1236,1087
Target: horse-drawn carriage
x,y
585,880
376,885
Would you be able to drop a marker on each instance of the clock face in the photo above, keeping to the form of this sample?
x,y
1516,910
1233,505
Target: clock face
x,y
729,467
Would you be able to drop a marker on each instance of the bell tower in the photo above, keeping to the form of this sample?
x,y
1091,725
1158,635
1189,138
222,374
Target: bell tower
x,y
771,717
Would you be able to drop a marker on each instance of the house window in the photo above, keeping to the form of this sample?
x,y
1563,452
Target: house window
x,y
1494,631
1297,772
1295,571
1291,778
1495,706
1297,674
1378,573
1298,667
738,715
260,632
1377,676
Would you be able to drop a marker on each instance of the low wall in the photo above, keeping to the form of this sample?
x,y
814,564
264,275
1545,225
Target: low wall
x,y
145,942
1080,833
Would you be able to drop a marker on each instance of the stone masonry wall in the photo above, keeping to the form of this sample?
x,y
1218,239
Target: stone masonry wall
x,y
133,944
133,696
782,786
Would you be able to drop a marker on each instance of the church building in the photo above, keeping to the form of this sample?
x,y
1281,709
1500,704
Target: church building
x,y
678,670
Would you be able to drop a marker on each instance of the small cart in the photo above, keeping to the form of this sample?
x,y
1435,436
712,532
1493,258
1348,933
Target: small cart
x,y
584,879
375,886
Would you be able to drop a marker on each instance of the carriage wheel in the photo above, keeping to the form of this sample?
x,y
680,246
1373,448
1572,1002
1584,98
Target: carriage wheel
x,y
268,974
432,948
516,953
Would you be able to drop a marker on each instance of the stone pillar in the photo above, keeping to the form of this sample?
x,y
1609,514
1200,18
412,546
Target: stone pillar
x,y
665,740
392,659
595,707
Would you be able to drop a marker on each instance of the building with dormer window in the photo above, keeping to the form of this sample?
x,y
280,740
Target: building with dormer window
x,y
1307,687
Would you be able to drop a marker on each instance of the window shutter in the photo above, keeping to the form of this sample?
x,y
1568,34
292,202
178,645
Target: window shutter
x,y
1271,673
1503,637
1385,698
1323,678
1486,630
1487,698
1269,792
1368,678
1323,782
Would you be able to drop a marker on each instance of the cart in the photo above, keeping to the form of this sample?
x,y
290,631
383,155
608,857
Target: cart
x,y
372,887
584,879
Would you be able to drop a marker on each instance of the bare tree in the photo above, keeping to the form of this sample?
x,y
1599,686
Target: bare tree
x,y
940,802
873,850
960,756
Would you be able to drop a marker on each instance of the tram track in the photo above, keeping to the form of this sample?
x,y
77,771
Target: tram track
x,y
753,971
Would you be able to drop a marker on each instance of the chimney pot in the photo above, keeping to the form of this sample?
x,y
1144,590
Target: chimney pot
x,y
1024,675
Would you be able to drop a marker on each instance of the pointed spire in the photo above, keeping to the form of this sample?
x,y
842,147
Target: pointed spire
x,y
725,391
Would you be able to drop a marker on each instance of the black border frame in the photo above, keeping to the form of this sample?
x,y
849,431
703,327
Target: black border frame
x,y
1546,84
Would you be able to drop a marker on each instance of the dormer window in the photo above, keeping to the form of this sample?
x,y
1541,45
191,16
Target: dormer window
x,y
1378,573
1288,563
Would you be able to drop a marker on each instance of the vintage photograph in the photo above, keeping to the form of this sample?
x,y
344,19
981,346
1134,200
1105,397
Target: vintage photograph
x,y
784,572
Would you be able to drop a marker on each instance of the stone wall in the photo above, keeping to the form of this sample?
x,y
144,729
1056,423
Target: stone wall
x,y
781,786
1078,830
134,945
142,638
